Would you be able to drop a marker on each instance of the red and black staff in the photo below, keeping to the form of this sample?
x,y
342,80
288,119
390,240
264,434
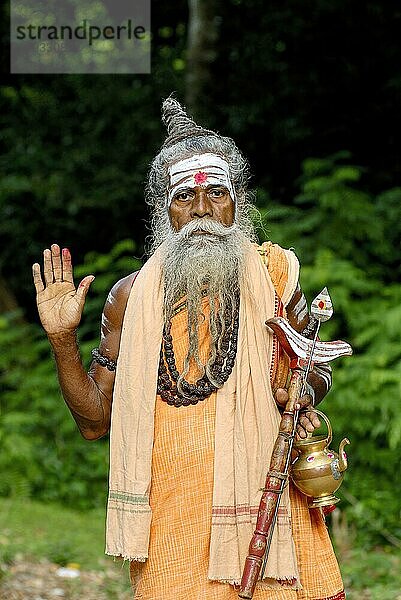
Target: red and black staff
x,y
303,353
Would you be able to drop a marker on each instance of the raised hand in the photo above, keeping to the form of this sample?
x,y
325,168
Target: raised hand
x,y
60,304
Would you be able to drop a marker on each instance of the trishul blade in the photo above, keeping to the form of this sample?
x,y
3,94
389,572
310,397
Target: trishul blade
x,y
322,306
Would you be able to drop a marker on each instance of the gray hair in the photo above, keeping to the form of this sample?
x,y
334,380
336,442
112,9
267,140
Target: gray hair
x,y
157,186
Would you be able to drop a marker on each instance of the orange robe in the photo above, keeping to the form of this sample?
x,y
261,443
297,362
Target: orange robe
x,y
181,501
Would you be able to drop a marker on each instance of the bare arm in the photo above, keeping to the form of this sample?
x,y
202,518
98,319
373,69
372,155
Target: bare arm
x,y
60,305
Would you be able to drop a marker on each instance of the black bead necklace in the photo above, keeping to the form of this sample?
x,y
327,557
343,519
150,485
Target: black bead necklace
x,y
192,393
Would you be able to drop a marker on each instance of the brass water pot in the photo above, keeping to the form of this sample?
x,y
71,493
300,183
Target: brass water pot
x,y
318,471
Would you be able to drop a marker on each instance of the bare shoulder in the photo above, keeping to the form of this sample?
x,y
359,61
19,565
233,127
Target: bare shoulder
x,y
117,299
121,289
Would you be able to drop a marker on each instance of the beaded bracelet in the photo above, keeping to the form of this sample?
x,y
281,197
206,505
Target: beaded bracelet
x,y
103,361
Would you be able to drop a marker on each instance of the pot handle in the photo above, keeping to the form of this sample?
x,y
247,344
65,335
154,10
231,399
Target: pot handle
x,y
326,420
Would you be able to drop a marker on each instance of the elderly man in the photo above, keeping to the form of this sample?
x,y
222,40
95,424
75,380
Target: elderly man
x,y
190,382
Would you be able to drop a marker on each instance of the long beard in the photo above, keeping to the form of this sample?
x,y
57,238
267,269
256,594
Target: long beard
x,y
204,255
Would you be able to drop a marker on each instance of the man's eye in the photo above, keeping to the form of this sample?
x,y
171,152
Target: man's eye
x,y
217,193
183,196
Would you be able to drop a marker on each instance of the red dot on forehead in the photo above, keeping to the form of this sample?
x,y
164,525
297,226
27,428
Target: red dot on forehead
x,y
200,177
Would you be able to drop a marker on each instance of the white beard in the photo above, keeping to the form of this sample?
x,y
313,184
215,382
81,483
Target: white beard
x,y
204,253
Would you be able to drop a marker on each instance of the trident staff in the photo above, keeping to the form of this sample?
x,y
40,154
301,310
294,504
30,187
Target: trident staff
x,y
303,353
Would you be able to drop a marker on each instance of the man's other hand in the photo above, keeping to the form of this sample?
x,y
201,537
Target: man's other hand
x,y
308,420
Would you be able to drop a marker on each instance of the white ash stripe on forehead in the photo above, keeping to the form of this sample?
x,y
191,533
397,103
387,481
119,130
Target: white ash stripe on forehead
x,y
190,174
190,171
198,161
210,168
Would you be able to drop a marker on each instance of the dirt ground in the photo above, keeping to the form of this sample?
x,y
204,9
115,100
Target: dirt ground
x,y
24,580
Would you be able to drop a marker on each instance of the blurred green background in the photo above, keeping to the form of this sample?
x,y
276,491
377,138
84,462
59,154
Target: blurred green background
x,y
311,93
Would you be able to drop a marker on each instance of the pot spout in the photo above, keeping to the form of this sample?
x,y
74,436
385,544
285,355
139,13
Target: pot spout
x,y
342,457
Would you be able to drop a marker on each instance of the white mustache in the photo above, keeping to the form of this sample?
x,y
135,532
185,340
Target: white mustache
x,y
206,225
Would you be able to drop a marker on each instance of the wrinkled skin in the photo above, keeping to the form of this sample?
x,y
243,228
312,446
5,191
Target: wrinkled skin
x,y
213,202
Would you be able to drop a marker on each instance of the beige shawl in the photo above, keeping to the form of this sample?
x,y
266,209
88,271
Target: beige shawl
x,y
247,422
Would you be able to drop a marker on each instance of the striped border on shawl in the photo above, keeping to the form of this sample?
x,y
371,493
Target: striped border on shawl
x,y
228,515
129,503
128,498
340,596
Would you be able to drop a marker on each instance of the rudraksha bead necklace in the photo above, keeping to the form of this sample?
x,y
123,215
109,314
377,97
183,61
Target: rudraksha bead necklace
x,y
222,366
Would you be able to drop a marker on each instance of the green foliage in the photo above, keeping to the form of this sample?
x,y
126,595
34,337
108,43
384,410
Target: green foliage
x,y
47,530
350,241
42,455
306,82
107,268
296,83
331,212
372,575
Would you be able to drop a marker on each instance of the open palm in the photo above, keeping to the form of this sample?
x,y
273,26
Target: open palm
x,y
60,303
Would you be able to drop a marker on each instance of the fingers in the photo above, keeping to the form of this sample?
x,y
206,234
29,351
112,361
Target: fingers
x,y
314,419
57,265
305,426
48,267
83,288
307,423
308,420
306,400
56,262
281,396
37,278
67,266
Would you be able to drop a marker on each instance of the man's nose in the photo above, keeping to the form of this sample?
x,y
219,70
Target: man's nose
x,y
201,205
